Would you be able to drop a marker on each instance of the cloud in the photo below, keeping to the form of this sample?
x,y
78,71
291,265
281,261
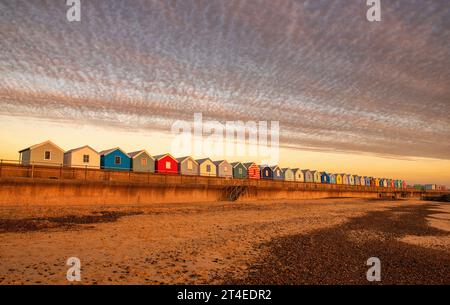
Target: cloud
x,y
333,80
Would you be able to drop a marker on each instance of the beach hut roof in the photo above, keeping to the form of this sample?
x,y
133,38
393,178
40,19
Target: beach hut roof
x,y
40,144
180,160
218,162
234,164
108,151
273,168
248,164
135,154
200,161
78,148
157,157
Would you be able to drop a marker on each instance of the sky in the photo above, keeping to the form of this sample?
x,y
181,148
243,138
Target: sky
x,y
350,96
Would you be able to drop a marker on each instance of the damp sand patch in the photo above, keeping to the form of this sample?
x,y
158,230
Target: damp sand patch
x,y
64,222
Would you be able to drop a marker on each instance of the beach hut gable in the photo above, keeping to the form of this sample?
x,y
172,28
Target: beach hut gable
x,y
115,158
142,161
239,170
84,156
223,168
187,166
207,167
166,164
45,153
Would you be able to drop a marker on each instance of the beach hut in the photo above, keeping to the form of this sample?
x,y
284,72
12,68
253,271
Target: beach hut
x,y
392,183
142,161
115,158
351,180
308,175
45,153
368,181
357,180
404,184
429,186
224,169
277,173
362,180
239,170
316,177
298,175
252,170
187,166
345,179
288,174
339,179
207,167
266,172
332,178
84,156
377,182
166,164
324,177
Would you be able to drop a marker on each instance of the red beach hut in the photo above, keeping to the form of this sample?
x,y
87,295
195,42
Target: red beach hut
x,y
252,170
166,164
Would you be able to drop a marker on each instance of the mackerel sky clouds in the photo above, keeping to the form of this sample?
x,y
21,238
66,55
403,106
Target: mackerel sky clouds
x,y
333,80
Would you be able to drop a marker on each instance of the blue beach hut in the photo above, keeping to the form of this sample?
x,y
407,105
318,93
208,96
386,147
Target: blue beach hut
x,y
115,158
332,178
324,177
278,174
266,172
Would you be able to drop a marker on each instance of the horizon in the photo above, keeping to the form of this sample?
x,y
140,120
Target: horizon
x,y
351,96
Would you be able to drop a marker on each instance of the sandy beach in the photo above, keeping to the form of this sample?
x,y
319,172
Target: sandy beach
x,y
324,241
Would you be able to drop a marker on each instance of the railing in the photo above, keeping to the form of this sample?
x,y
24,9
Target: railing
x,y
55,171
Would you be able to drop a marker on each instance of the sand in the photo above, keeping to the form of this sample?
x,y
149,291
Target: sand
x,y
284,242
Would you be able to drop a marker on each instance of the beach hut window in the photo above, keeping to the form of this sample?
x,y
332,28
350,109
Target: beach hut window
x,y
278,172
117,160
85,158
189,164
267,172
47,155
168,165
144,161
225,168
240,171
208,168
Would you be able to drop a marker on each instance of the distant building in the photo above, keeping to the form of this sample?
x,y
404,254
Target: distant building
x,y
324,177
45,153
351,180
115,158
239,170
223,169
84,156
266,172
288,174
277,173
207,167
298,175
308,175
166,164
332,178
142,161
252,170
187,166
316,176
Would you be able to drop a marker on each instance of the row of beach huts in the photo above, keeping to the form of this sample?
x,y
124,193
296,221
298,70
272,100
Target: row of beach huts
x,y
48,153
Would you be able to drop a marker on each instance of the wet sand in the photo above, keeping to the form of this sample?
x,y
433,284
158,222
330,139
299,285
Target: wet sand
x,y
326,241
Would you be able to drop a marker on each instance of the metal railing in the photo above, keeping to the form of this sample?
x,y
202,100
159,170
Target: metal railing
x,y
57,171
